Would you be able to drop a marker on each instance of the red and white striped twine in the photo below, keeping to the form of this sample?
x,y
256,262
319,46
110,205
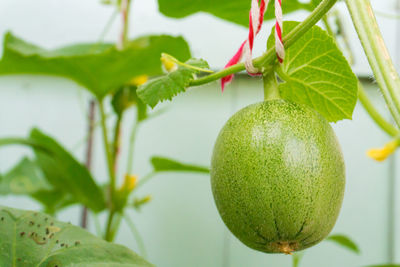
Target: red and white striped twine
x,y
256,19
280,49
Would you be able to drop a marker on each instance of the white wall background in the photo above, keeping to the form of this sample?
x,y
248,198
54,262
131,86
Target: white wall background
x,y
181,226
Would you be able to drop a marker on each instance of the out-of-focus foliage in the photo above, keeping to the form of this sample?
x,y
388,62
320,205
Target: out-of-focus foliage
x,y
101,68
236,11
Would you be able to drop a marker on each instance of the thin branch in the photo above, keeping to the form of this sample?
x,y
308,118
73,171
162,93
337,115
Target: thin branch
x,y
379,120
131,146
136,235
89,153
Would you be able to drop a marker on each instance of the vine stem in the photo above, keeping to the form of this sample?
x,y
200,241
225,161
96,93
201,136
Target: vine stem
x,y
111,172
112,223
269,57
136,235
107,235
125,18
378,56
131,147
144,180
89,153
379,120
107,147
116,141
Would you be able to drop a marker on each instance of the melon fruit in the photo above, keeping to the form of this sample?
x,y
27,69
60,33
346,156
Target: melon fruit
x,y
278,176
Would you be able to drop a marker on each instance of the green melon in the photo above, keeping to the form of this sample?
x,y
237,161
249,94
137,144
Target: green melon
x,y
278,176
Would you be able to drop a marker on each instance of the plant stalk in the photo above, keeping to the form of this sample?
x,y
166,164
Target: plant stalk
x,y
112,227
131,146
136,235
89,153
269,58
107,147
378,56
116,142
374,114
125,24
107,235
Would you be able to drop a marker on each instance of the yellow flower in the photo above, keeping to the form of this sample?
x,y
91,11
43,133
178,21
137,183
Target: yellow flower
x,y
168,64
147,198
380,154
129,182
139,80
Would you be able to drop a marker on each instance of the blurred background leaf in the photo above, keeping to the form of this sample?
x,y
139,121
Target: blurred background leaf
x,y
25,178
345,242
62,180
65,173
236,11
296,258
162,164
100,68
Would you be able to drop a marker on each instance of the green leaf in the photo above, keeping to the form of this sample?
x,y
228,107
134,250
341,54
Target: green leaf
x,y
65,173
236,11
23,179
124,98
54,200
171,84
318,75
384,265
345,242
100,68
27,179
34,239
161,164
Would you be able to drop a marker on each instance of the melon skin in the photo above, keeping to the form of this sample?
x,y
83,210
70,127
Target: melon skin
x,y
278,176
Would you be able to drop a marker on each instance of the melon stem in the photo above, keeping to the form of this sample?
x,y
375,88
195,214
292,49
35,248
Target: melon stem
x,y
271,89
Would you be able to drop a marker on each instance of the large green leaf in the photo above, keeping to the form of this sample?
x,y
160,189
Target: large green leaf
x,y
100,68
29,238
236,11
384,265
345,242
171,84
65,173
162,164
317,74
